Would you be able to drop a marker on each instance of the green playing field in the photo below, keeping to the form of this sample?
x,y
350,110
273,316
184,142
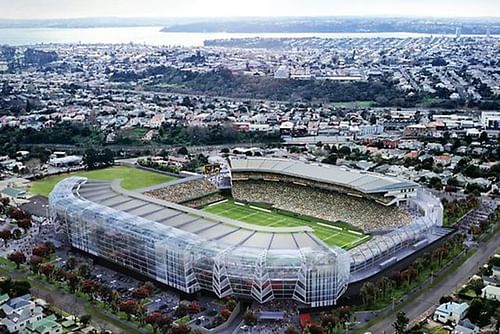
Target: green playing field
x,y
333,235
132,178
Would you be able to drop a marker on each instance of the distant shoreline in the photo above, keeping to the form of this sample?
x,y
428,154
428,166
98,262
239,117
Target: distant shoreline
x,y
152,35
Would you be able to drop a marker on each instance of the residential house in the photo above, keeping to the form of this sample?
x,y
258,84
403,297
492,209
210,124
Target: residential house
x,y
450,312
47,325
491,292
465,327
19,312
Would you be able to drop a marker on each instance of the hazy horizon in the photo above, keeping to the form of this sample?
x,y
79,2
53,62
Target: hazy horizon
x,y
77,9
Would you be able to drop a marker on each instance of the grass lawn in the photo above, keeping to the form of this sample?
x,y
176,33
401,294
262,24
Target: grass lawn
x,y
435,330
132,178
354,104
245,213
184,320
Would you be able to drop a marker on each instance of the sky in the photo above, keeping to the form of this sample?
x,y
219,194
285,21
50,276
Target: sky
x,y
49,9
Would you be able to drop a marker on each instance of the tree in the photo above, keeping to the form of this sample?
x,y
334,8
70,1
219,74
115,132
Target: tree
x,y
344,151
480,311
84,270
384,284
85,319
5,235
90,158
129,307
70,263
165,322
19,288
25,224
141,293
330,159
477,285
88,286
18,214
194,308
250,318
315,329
47,269
445,299
35,262
73,281
18,258
290,329
149,286
153,319
231,304
329,320
182,310
367,292
483,138
435,182
225,313
41,250
401,324
183,151
180,329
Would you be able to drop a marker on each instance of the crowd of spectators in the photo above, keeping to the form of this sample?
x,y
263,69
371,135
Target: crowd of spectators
x,y
204,201
359,212
185,191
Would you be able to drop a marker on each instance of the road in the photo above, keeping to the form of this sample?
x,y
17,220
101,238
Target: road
x,y
422,303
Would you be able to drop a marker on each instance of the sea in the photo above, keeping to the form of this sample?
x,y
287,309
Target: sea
x,y
153,36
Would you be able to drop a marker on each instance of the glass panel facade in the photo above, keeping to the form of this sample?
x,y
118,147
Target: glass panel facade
x,y
186,261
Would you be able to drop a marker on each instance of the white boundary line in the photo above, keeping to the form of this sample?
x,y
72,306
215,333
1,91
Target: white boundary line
x,y
331,236
260,209
217,203
331,226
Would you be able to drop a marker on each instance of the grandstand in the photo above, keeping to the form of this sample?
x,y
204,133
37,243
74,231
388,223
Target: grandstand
x,y
283,242
360,212
192,192
382,189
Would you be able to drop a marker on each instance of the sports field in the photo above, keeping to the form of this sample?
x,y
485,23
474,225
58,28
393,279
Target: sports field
x,y
132,178
332,234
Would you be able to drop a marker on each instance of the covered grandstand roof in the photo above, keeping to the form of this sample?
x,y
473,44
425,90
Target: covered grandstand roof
x,y
361,181
202,224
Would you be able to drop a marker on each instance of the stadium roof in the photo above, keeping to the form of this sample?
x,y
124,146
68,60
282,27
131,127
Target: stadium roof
x,y
203,224
361,181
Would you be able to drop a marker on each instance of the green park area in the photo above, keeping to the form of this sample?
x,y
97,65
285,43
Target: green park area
x,y
132,178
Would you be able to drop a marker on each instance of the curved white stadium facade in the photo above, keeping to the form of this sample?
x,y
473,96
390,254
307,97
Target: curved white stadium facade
x,y
193,250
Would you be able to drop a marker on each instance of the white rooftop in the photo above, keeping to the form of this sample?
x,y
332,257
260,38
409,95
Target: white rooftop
x,y
361,181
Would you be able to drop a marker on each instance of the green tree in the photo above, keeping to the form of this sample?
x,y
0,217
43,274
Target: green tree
x,y
18,258
483,138
401,324
183,151
250,318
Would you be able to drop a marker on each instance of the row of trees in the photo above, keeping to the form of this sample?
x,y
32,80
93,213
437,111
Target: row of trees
x,y
454,210
383,288
78,279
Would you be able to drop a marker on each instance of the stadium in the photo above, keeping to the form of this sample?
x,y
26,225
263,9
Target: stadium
x,y
291,229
